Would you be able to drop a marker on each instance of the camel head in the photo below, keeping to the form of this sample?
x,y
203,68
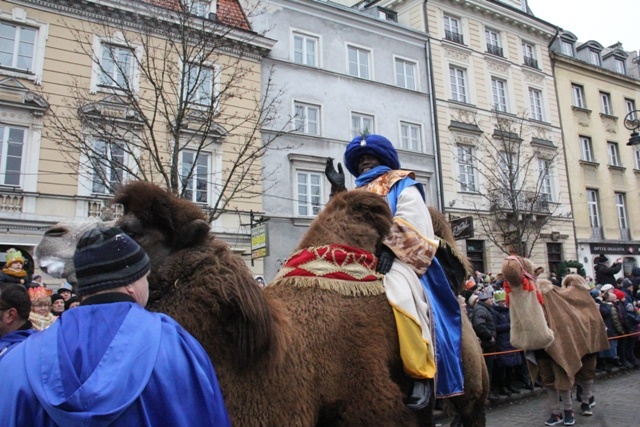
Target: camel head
x,y
516,268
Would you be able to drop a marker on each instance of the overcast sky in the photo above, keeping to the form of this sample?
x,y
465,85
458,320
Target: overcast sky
x,y
606,22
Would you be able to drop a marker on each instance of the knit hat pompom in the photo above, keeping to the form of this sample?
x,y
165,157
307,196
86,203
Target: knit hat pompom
x,y
375,145
14,255
106,258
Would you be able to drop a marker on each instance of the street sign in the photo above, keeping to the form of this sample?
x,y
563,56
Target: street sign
x,y
462,227
259,241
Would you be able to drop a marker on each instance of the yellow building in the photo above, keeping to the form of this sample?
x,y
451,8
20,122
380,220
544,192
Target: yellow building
x,y
495,103
95,93
596,93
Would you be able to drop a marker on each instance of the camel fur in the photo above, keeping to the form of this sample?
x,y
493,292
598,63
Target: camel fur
x,y
572,316
285,355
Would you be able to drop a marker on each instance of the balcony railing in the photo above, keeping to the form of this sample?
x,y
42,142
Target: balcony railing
x,y
494,50
625,234
11,202
528,202
597,233
453,37
530,62
98,209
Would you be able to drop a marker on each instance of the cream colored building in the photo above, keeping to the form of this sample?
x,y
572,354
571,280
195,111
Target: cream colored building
x,y
596,93
47,52
488,57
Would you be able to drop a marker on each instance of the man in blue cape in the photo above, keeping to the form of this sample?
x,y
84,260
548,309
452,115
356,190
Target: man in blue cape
x,y
109,362
15,307
426,310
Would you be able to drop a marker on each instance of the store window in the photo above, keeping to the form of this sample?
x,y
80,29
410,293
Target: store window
x,y
554,256
475,253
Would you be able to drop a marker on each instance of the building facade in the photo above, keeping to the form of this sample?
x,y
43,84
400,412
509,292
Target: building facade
x,y
597,94
496,110
342,73
90,73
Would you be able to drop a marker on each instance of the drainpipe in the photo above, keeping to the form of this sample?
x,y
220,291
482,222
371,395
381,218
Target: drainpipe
x,y
434,114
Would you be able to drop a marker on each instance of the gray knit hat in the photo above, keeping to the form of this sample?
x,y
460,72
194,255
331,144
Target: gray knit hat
x,y
106,258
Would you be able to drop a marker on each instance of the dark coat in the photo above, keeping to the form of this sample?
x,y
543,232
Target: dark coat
x,y
503,338
605,275
611,319
635,273
484,325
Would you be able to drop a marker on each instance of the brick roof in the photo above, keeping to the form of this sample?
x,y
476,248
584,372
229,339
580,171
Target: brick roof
x,y
229,12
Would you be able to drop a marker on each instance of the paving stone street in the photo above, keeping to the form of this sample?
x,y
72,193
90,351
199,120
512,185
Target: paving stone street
x,y
617,405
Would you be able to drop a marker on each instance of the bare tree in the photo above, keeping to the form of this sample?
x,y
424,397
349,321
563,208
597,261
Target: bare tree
x,y
169,87
516,200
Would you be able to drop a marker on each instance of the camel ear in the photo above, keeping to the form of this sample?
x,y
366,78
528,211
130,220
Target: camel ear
x,y
193,234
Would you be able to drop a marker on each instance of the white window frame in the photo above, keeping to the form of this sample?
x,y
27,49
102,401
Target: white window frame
x,y
467,169
458,84
578,96
535,101
200,8
203,158
545,171
363,67
614,154
620,66
410,136
305,56
105,152
630,105
529,51
211,85
117,40
621,210
605,103
586,147
407,75
20,17
493,38
567,48
594,57
303,121
361,126
313,207
636,155
452,24
5,132
594,208
499,93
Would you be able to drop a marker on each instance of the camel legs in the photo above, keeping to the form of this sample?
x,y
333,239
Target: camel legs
x,y
471,405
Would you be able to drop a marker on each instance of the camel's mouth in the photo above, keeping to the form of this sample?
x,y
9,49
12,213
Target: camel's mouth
x,y
53,266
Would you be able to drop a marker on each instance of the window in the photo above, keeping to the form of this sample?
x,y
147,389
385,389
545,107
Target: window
x,y
197,8
358,62
309,197
614,154
620,66
458,84
587,149
594,214
361,124
567,48
406,74
529,55
108,165
307,118
499,90
594,57
578,96
554,256
630,105
200,84
11,151
545,183
621,209
636,154
535,100
17,46
605,101
410,136
475,253
452,30
195,176
466,168
493,42
116,66
305,49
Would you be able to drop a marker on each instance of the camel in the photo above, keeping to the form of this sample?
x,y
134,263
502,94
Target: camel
x,y
293,354
562,321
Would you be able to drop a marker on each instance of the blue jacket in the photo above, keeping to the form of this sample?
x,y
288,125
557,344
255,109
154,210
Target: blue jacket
x,y
503,337
112,364
8,341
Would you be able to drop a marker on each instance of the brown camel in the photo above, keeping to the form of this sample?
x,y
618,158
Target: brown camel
x,y
288,355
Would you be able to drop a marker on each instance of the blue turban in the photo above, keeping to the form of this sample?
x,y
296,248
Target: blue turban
x,y
375,145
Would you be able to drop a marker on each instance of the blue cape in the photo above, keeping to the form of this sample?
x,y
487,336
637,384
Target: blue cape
x,y
110,365
8,341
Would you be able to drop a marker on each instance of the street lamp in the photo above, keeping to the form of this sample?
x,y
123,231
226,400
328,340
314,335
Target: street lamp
x,y
632,123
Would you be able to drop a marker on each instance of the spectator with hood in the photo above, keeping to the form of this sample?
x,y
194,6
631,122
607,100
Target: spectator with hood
x,y
110,362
